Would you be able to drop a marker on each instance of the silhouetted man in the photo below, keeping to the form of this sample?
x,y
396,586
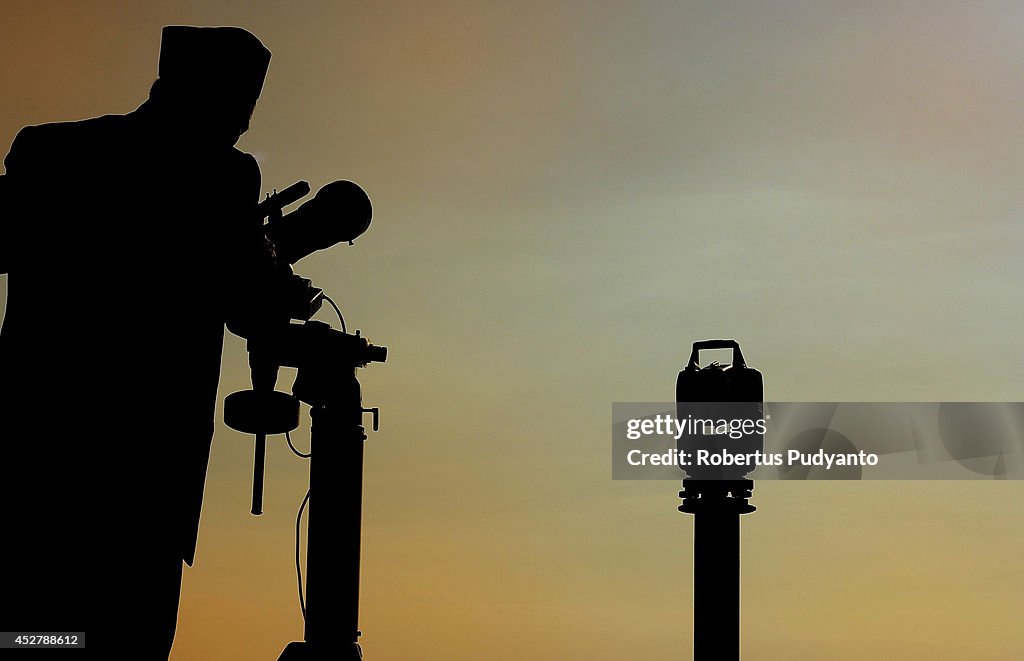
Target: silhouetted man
x,y
129,240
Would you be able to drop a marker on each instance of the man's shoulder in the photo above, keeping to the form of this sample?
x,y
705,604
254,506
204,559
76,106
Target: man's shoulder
x,y
57,132
43,140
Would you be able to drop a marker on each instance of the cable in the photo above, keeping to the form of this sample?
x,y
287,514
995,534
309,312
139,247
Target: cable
x,y
298,529
338,310
298,565
288,437
305,500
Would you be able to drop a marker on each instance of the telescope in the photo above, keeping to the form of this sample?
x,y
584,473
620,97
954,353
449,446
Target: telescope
x,y
326,360
340,211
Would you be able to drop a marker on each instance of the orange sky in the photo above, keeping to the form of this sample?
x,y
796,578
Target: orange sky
x,y
567,195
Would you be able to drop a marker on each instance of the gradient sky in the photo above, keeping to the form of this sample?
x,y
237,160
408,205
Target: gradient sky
x,y
566,195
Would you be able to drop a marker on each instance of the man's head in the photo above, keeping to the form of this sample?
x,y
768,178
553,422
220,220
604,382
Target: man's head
x,y
210,80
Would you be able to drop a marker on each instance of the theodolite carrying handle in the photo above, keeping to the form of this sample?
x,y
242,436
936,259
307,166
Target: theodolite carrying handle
x,y
737,355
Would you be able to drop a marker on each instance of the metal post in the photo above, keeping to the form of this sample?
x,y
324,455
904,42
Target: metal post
x,y
716,507
334,533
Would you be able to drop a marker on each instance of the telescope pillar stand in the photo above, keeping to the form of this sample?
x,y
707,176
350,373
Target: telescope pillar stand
x,y
334,521
716,506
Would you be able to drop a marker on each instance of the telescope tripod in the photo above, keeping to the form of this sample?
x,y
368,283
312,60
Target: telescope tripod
x,y
334,529
326,380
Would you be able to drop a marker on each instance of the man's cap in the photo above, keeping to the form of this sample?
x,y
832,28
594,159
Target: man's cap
x,y
228,59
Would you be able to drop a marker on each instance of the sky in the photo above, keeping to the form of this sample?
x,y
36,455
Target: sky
x,y
566,196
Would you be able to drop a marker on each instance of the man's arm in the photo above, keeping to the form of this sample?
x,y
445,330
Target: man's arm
x,y
253,275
